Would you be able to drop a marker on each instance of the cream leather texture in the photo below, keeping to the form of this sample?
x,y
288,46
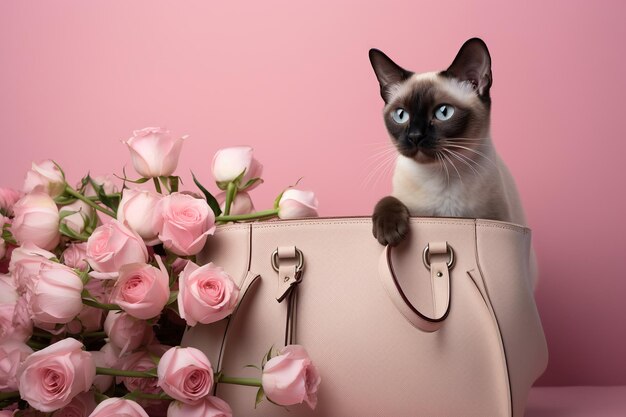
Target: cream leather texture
x,y
479,360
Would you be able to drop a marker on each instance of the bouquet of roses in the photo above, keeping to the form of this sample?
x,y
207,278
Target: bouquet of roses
x,y
98,284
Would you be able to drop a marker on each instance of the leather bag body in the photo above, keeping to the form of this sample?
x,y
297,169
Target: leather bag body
x,y
451,330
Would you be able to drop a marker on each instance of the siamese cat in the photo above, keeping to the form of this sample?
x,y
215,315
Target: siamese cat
x,y
447,165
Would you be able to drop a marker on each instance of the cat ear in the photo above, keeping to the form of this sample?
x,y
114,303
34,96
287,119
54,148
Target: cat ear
x,y
473,64
387,72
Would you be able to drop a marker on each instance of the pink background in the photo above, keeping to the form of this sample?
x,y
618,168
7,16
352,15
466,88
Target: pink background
x,y
292,79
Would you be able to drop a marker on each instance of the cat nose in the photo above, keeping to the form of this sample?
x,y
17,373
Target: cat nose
x,y
415,137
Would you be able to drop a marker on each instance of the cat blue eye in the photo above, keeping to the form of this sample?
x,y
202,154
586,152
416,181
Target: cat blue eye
x,y
444,112
400,116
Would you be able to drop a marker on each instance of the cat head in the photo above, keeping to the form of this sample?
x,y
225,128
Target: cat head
x,y
432,115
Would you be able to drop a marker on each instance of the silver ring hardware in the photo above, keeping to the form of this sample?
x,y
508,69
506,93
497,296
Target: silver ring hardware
x,y
299,255
426,257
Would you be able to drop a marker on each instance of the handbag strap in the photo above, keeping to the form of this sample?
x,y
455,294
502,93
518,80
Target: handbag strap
x,y
438,257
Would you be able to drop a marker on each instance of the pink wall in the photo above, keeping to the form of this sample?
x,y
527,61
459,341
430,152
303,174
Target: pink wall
x,y
293,80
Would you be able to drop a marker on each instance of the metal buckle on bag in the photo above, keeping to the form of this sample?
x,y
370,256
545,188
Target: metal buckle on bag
x,y
299,256
426,256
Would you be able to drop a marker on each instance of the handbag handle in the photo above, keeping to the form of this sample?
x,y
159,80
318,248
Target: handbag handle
x,y
438,258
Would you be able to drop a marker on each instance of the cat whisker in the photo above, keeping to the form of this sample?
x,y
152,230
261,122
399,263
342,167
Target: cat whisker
x,y
472,150
379,170
443,164
453,166
460,158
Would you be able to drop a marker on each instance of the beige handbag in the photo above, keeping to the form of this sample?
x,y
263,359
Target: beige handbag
x,y
443,325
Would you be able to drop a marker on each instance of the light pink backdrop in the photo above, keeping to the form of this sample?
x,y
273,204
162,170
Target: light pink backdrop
x,y
293,80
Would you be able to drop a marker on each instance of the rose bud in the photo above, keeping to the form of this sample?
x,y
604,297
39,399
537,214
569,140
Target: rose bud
x,y
8,198
75,256
291,378
106,357
142,290
154,152
111,246
50,378
208,407
36,221
230,163
295,204
185,374
241,204
137,211
184,222
12,354
56,295
82,216
206,294
107,183
118,407
45,177
126,332
15,323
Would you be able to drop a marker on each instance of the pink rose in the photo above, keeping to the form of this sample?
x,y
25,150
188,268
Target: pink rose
x,y
6,413
36,220
11,325
107,182
106,357
81,406
126,332
111,246
136,210
142,290
118,407
45,177
184,223
75,256
12,354
206,294
81,217
295,204
230,163
208,407
26,262
50,378
242,204
154,152
185,374
291,378
8,198
139,361
56,296
3,248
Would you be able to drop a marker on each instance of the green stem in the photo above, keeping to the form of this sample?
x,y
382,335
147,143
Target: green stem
x,y
250,382
231,192
251,216
120,372
99,397
145,395
92,303
157,185
96,198
9,395
88,201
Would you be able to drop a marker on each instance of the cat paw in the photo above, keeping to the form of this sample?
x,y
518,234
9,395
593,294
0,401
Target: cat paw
x,y
390,222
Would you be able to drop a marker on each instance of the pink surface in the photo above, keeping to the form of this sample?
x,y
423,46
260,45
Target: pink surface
x,y
292,79
577,402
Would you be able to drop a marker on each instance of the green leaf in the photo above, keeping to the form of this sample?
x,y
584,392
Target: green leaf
x,y
60,169
251,182
64,200
66,231
111,202
209,197
174,183
260,394
173,297
139,181
65,213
